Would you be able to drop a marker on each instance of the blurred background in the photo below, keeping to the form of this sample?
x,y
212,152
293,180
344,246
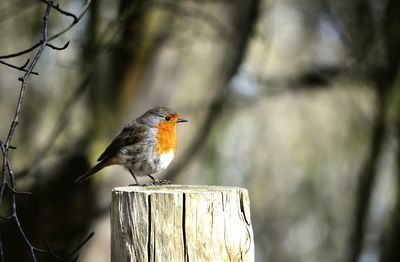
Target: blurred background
x,y
296,100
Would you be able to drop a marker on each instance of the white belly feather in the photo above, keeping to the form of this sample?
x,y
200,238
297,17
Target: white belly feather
x,y
166,159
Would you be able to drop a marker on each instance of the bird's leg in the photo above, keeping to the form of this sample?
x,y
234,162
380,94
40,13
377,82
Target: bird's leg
x,y
154,180
134,177
159,182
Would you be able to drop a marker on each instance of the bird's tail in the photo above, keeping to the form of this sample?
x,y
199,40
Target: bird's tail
x,y
91,172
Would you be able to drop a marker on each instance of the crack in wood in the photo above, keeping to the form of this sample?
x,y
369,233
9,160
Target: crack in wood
x,y
155,242
185,249
149,228
181,224
242,208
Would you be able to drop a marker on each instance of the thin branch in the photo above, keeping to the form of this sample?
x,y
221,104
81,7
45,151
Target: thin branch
x,y
5,146
7,171
74,22
17,192
26,76
3,176
21,52
79,17
58,48
57,7
20,68
48,250
101,43
23,234
26,64
81,245
53,251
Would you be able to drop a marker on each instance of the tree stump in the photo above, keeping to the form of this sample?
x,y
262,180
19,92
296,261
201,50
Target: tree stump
x,y
181,223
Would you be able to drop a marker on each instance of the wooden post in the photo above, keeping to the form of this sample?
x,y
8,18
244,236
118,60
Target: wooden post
x,y
181,223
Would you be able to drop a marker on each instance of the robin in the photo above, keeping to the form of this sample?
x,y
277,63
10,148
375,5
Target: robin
x,y
145,146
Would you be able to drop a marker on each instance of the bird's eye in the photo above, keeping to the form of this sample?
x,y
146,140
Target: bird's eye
x,y
167,118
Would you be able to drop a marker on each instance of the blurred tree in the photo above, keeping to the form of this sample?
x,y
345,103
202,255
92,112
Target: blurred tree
x,y
382,68
295,100
243,21
391,32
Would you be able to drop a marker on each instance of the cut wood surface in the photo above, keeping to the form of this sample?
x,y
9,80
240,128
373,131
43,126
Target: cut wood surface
x,y
181,223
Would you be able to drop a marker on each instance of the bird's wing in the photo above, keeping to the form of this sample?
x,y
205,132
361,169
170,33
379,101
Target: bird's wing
x,y
131,134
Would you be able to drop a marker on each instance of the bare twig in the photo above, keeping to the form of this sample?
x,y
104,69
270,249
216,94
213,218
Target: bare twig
x,y
83,243
57,7
17,192
21,52
5,146
7,217
79,246
74,22
24,83
55,251
102,44
20,68
22,232
3,176
58,48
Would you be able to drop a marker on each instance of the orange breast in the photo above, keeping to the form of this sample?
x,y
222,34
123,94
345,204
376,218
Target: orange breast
x,y
166,137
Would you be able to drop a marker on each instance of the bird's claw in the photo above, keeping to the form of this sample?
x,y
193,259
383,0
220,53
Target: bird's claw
x,y
154,183
159,182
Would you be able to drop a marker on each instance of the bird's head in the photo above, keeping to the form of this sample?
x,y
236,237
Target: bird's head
x,y
164,120
162,117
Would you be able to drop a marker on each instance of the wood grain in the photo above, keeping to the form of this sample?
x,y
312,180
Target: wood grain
x,y
181,223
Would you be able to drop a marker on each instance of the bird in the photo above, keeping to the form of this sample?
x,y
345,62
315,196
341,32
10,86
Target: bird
x,y
144,146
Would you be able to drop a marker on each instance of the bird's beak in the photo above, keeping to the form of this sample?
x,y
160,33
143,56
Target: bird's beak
x,y
181,120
